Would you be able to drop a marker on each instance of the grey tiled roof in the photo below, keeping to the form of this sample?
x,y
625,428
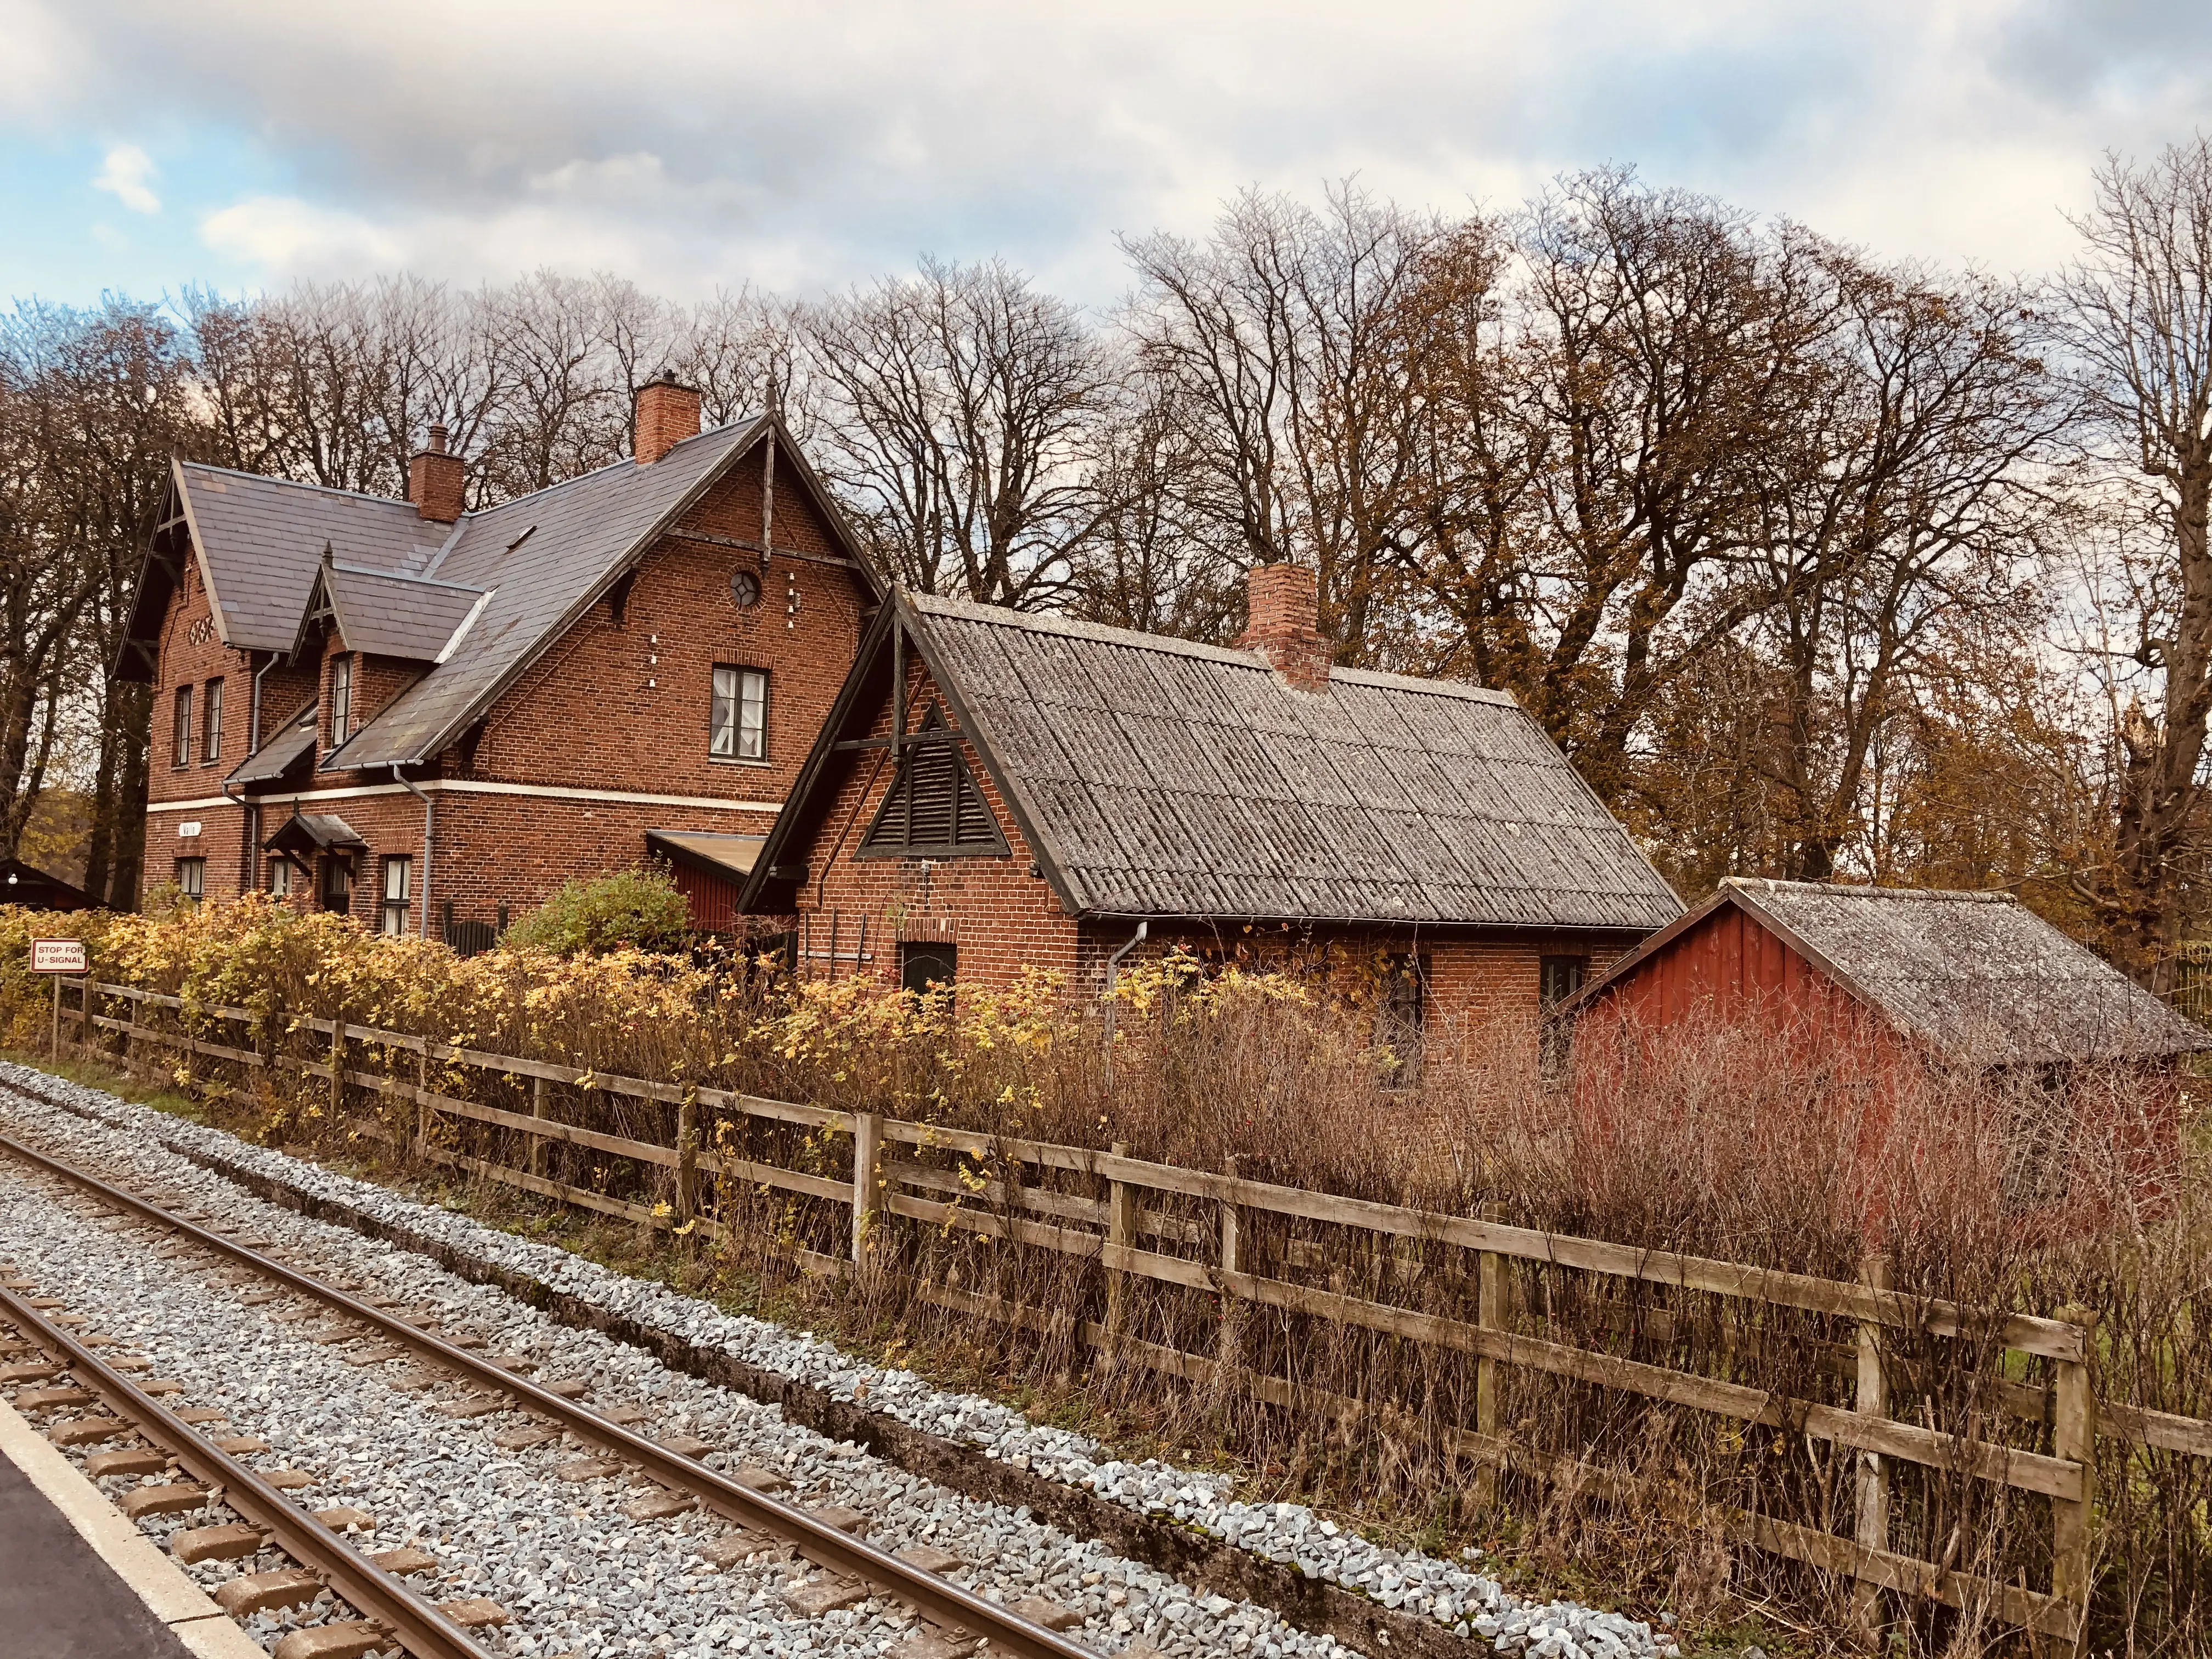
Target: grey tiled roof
x,y
293,742
319,829
263,540
1979,973
544,558
396,615
1167,779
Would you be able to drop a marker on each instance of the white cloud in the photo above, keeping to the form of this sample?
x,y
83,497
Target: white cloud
x,y
804,146
124,174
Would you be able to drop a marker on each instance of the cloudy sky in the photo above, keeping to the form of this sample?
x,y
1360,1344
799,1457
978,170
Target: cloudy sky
x,y
244,143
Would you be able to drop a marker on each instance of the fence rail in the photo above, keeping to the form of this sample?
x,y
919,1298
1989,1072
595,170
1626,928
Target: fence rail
x,y
1126,1226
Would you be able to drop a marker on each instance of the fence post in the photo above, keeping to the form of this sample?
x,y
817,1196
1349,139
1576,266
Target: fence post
x,y
2074,1436
535,1161
1120,1233
1489,1314
1228,1347
1870,1398
338,1068
422,1100
867,1179
687,1161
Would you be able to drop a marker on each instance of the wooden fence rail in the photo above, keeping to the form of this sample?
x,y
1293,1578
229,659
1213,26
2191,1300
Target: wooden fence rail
x,y
1128,1214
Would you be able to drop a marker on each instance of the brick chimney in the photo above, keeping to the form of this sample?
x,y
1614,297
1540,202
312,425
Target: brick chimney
x,y
1282,608
434,479
667,414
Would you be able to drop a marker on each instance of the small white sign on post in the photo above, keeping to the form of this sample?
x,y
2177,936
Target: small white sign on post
x,y
59,955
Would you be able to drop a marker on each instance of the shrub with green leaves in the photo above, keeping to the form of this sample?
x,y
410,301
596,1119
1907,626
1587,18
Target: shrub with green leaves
x,y
638,909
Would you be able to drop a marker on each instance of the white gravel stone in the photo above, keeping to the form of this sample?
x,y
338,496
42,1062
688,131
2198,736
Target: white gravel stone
x,y
504,1514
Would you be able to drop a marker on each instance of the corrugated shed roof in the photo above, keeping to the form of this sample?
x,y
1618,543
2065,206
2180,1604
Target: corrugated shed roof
x,y
1979,973
396,615
263,540
1170,778
543,557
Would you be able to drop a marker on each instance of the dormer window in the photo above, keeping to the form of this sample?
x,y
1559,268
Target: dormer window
x,y
341,700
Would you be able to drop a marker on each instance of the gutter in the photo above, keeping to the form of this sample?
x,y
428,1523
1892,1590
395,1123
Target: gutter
x,y
430,826
1106,997
252,862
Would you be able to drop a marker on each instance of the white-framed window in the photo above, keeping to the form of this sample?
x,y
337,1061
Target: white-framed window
x,y
213,750
280,879
191,877
341,700
738,721
397,874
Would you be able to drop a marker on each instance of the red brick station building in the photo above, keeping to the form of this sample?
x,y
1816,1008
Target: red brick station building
x,y
428,719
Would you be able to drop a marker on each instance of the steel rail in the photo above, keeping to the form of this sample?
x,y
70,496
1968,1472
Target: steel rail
x,y
413,1621
937,1599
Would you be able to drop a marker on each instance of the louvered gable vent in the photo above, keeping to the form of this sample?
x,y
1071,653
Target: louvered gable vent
x,y
934,809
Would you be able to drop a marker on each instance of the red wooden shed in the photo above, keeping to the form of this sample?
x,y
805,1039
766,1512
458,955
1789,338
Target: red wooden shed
x,y
1976,976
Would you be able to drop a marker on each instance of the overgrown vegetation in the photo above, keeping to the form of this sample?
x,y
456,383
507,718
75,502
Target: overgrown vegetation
x,y
623,910
1767,1149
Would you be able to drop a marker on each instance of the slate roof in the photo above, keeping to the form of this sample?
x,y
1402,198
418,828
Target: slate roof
x,y
1157,778
545,559
321,830
263,540
389,615
293,742
1978,974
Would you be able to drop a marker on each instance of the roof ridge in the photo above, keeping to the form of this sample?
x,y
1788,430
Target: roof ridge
x,y
1038,622
296,483
403,576
1437,686
1868,889
1045,622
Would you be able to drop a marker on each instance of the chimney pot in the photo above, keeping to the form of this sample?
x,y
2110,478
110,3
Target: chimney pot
x,y
667,414
436,481
1282,606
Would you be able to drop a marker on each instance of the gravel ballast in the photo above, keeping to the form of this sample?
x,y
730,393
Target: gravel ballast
x,y
101,1131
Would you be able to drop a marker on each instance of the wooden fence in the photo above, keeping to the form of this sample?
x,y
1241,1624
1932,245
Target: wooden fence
x,y
1136,1220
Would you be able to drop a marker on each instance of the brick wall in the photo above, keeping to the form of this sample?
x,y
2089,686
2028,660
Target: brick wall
x,y
1002,918
608,708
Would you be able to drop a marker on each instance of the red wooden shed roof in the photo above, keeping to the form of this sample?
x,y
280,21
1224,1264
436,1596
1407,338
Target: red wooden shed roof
x,y
1978,974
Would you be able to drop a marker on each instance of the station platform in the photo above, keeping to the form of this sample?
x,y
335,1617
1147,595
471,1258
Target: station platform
x,y
78,1581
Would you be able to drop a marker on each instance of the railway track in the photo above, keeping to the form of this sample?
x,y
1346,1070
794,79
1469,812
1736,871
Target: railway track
x,y
388,1612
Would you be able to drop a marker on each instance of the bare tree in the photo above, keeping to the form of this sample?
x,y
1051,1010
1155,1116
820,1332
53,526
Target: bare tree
x,y
91,406
2134,319
1280,340
959,413
1904,511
